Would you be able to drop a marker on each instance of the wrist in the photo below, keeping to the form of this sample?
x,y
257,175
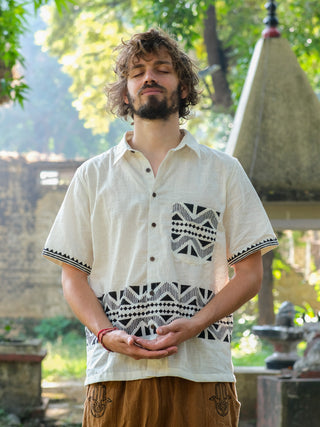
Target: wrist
x,y
198,325
101,334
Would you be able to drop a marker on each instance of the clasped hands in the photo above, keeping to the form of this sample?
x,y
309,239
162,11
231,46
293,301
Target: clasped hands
x,y
165,344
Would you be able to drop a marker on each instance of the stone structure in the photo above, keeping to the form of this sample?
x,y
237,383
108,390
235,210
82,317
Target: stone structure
x,y
276,136
284,336
30,196
284,402
20,377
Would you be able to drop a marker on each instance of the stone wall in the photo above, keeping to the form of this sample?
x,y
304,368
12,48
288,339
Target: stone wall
x,y
30,196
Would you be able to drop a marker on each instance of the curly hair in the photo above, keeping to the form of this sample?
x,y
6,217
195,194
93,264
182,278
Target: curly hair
x,y
137,47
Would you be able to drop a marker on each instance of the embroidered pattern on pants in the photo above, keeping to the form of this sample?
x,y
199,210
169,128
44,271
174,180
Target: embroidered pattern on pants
x,y
221,399
98,400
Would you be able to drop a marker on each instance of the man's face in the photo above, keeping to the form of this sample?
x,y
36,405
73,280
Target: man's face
x,y
153,89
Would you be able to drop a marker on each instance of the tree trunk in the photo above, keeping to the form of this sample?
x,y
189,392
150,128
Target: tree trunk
x,y
5,73
265,301
216,55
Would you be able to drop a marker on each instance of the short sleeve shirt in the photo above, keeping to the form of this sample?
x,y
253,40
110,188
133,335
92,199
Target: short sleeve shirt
x,y
159,248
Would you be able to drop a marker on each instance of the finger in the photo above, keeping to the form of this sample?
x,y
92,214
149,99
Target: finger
x,y
130,340
149,354
155,344
161,343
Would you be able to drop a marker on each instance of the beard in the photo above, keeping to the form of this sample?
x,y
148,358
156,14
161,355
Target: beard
x,y
155,109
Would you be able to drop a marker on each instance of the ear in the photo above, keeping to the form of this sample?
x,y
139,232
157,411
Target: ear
x,y
125,94
184,92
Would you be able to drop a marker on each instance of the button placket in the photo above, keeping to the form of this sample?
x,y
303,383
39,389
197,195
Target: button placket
x,y
153,241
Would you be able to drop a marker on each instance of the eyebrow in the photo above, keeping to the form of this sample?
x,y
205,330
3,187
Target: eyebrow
x,y
158,62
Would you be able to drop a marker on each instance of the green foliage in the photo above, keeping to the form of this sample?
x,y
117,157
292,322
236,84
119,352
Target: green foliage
x,y
247,348
52,328
65,343
83,39
5,331
66,358
305,313
48,123
278,266
13,23
255,358
4,418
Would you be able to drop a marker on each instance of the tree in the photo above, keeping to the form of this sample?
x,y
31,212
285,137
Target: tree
x,y
48,123
220,32
13,23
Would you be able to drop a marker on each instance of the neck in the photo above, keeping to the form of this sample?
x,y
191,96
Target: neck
x,y
154,138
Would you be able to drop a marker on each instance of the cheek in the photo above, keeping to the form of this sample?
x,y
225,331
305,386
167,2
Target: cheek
x,y
129,95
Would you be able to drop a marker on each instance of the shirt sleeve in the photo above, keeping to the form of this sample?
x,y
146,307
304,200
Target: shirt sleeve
x,y
247,225
70,240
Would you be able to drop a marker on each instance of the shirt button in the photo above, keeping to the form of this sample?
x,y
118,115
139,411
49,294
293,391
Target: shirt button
x,y
132,151
154,194
148,170
154,224
152,258
151,293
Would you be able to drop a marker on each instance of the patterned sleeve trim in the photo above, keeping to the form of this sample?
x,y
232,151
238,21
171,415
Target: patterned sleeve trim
x,y
250,250
59,258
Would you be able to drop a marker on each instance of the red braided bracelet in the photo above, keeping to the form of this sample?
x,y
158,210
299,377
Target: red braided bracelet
x,y
102,333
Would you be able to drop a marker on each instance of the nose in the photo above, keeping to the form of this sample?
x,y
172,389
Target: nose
x,y
150,76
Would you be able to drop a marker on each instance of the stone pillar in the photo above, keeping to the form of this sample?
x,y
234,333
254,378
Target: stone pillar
x,y
20,377
288,402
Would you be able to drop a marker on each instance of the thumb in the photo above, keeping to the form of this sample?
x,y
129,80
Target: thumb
x,y
163,330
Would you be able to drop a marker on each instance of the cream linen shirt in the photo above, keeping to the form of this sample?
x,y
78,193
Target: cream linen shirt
x,y
159,248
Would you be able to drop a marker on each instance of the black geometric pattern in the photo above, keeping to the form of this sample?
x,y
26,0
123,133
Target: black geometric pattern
x,y
193,230
59,256
250,250
140,310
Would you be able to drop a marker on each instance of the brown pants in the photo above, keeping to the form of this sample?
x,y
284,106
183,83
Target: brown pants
x,y
161,402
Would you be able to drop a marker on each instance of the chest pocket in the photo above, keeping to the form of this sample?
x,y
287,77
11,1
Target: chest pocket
x,y
193,232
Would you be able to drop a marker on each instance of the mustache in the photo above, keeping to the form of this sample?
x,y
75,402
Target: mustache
x,y
150,86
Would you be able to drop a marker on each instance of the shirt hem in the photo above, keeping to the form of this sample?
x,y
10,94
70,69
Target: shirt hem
x,y
230,378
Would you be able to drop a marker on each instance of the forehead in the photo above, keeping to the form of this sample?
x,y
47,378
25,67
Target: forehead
x,y
159,56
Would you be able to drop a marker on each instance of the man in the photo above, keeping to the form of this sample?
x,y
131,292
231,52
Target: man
x,y
145,236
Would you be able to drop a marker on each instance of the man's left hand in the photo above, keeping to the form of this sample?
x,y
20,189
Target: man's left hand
x,y
170,335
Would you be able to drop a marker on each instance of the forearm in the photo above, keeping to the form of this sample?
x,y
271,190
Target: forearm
x,y
241,288
82,300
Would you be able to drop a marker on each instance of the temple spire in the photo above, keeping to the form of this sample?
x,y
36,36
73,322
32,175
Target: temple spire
x,y
271,21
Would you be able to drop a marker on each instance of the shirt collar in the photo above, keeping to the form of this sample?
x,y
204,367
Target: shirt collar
x,y
188,140
122,148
